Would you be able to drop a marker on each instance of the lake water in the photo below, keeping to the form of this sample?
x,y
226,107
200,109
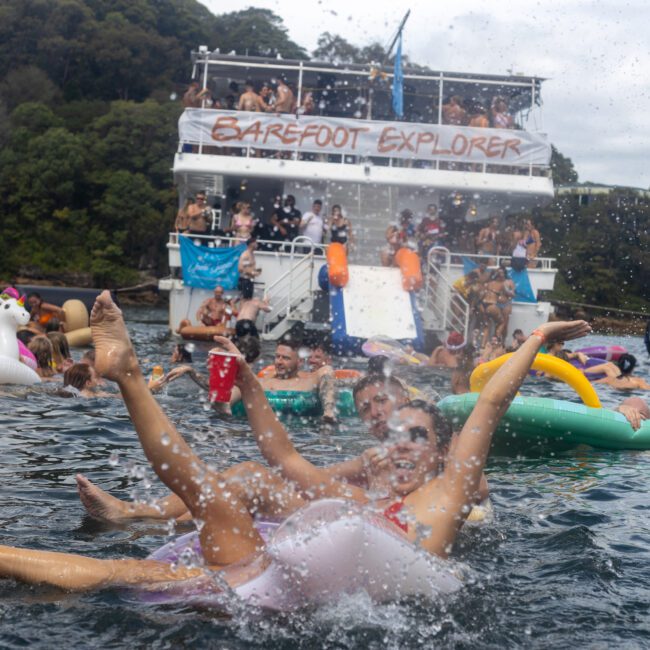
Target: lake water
x,y
566,561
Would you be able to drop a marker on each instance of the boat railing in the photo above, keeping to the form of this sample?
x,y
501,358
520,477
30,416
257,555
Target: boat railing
x,y
299,246
444,308
290,291
446,258
367,162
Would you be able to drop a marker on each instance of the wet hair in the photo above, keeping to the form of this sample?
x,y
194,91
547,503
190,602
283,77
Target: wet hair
x,y
517,331
89,355
441,426
249,346
377,365
52,325
291,341
25,336
77,376
60,347
378,379
186,355
626,363
41,348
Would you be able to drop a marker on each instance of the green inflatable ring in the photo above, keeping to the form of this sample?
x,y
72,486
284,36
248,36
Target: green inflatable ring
x,y
302,403
544,422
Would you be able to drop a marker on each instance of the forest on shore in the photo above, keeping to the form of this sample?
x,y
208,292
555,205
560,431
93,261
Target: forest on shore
x,y
89,102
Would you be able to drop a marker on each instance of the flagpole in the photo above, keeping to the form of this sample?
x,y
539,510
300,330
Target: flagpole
x,y
399,32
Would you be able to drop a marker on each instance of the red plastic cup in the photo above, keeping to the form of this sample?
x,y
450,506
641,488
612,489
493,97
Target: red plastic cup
x,y
223,367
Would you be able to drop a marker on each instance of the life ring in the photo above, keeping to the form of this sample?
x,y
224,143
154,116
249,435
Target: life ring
x,y
324,550
301,403
337,265
77,330
203,332
543,422
550,365
409,264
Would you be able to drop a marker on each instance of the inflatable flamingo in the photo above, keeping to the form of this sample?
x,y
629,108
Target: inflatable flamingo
x,y
13,315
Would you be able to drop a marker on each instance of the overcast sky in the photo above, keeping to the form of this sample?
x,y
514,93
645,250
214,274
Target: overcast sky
x,y
595,56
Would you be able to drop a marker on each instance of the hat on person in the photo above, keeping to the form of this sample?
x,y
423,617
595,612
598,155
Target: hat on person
x,y
455,341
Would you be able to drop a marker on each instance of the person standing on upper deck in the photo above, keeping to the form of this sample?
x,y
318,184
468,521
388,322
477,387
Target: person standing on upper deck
x,y
284,99
501,119
250,100
340,228
198,214
312,224
193,97
487,240
533,242
286,220
453,113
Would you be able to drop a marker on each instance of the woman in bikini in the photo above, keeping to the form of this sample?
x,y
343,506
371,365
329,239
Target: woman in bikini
x,y
243,222
340,228
229,541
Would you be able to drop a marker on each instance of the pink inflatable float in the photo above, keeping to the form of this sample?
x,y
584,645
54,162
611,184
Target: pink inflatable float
x,y
326,549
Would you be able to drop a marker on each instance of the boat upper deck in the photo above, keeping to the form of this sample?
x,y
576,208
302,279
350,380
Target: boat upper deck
x,y
476,132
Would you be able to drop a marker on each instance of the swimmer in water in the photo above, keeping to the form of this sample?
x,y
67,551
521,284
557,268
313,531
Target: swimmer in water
x,y
229,540
619,375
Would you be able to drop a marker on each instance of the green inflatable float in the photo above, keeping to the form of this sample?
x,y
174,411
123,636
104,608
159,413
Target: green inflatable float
x,y
540,421
301,403
544,422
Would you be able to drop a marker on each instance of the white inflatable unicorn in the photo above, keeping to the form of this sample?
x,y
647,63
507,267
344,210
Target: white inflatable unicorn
x,y
13,315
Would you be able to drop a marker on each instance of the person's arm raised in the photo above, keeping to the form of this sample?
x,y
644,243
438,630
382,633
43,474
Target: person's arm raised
x,y
274,442
464,466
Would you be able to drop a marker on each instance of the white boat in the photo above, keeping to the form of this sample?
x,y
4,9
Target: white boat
x,y
353,152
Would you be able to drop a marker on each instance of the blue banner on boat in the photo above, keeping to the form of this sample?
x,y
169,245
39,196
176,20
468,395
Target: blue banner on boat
x,y
205,267
523,289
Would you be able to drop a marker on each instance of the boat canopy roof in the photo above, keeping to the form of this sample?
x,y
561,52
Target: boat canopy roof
x,y
422,87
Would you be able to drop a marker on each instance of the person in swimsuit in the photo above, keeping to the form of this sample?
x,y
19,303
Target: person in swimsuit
x,y
619,375
445,356
494,296
340,228
393,244
228,538
533,242
243,222
40,313
213,312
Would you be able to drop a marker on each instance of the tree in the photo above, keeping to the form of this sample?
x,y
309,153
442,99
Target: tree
x,y
257,32
333,48
562,169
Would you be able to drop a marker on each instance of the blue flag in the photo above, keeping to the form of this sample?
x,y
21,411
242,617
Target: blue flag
x,y
205,267
398,82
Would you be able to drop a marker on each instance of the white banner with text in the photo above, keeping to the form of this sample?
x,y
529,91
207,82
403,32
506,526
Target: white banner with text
x,y
362,137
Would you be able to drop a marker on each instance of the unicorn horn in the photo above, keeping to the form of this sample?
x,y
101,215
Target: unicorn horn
x,y
21,301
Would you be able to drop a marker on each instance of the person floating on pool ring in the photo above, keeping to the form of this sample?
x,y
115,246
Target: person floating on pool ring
x,y
416,444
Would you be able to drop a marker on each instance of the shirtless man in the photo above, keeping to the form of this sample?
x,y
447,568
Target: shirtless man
x,y
284,99
212,311
197,216
248,270
445,356
453,112
250,100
